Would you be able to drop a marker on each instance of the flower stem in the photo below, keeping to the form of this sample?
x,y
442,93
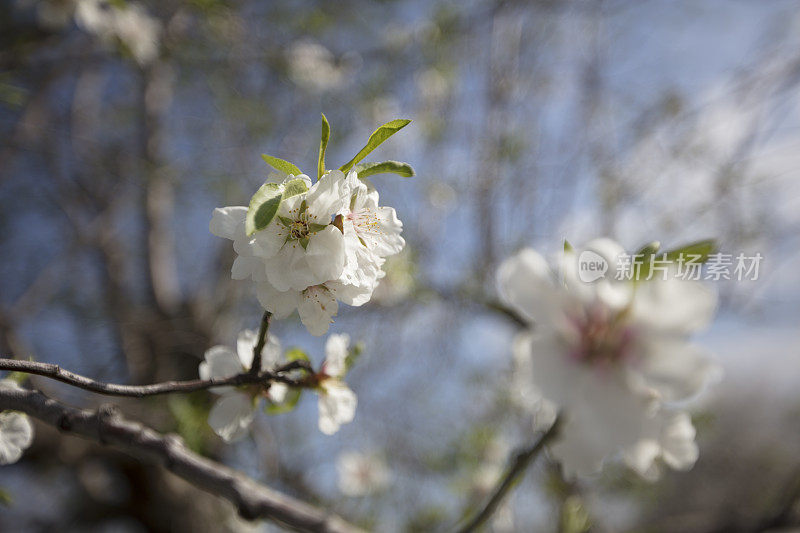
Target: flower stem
x,y
519,464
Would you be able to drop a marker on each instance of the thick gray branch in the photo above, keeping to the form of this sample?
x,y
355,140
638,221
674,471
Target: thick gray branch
x,y
108,426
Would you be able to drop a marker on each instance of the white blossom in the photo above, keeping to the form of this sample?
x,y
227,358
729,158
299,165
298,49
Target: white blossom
x,y
613,357
337,403
16,431
361,474
303,260
300,246
233,412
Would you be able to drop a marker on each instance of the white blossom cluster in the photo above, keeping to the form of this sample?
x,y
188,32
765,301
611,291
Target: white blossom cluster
x,y
233,413
324,245
612,357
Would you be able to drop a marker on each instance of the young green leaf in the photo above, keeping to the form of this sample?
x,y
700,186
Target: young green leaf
x,y
568,247
391,167
702,248
263,207
296,354
281,165
288,403
323,145
294,187
375,140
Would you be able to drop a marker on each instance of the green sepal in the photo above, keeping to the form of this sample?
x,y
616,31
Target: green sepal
x,y
313,227
294,187
263,207
375,140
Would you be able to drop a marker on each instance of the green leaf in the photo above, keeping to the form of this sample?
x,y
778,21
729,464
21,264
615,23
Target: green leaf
x,y
5,498
644,260
391,167
649,249
323,145
288,404
263,207
375,140
294,187
568,247
296,354
281,165
702,248
353,355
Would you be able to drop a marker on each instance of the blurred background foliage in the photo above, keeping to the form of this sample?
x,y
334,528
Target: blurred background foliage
x,y
125,123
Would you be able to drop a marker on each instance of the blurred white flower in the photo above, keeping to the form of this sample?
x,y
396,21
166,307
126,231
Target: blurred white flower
x,y
613,356
361,474
16,431
128,22
337,403
313,67
232,414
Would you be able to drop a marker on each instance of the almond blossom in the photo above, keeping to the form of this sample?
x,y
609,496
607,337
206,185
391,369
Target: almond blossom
x,y
16,431
613,357
301,247
337,403
323,247
233,412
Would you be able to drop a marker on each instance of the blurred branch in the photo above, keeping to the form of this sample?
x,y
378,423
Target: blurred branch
x,y
57,373
520,462
108,426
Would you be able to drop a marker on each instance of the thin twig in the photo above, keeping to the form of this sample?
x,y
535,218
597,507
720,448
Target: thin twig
x,y
519,464
108,426
57,373
255,368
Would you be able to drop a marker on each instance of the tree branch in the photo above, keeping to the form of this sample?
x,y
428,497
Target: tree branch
x,y
108,426
522,459
262,340
57,373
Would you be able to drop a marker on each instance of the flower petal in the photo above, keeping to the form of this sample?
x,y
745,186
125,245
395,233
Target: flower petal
x,y
16,434
231,416
336,354
337,406
279,303
225,220
317,308
220,362
525,282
